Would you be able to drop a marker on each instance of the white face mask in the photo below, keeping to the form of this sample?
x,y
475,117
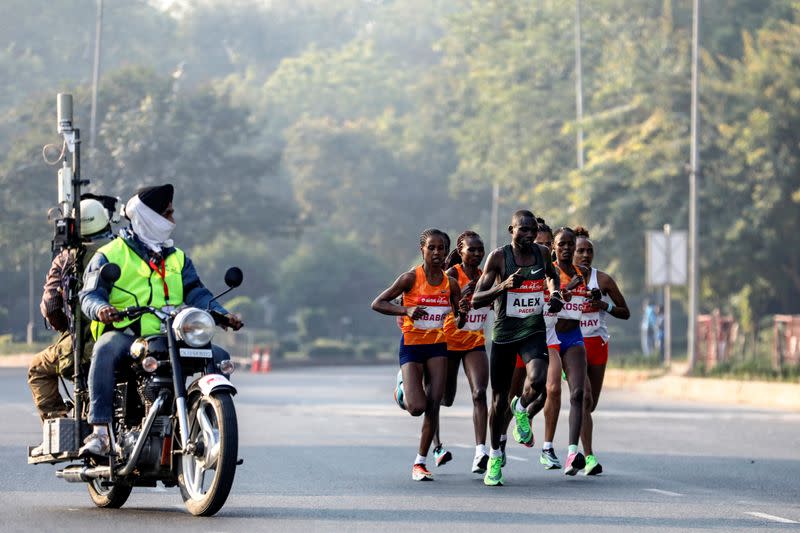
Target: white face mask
x,y
151,228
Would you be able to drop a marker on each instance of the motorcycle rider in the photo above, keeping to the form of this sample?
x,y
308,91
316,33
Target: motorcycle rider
x,y
56,359
159,274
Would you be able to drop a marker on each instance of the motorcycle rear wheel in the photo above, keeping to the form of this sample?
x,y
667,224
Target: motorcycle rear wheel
x,y
212,423
112,497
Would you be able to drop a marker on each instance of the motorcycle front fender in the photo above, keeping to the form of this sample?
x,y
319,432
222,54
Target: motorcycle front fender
x,y
210,383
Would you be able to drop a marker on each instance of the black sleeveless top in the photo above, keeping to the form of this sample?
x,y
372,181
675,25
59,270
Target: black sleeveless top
x,y
519,312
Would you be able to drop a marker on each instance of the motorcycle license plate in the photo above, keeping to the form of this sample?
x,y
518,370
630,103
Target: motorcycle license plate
x,y
194,352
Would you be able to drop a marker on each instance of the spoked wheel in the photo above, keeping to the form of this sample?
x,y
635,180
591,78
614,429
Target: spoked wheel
x,y
112,497
206,477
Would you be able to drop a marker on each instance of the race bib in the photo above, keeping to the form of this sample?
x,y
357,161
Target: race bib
x,y
590,321
550,319
476,319
590,324
526,300
573,309
437,308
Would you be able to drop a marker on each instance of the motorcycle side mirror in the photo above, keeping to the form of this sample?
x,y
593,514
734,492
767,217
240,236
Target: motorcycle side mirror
x,y
234,277
110,273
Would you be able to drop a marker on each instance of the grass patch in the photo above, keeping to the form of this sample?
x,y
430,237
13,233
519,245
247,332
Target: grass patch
x,y
751,369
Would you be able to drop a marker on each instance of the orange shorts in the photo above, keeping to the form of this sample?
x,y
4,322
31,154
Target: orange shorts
x,y
596,350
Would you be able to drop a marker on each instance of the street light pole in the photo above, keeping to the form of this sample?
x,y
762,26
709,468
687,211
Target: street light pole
x,y
494,219
694,170
98,36
578,85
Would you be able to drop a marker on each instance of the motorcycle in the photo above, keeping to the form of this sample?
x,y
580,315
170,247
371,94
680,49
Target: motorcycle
x,y
162,430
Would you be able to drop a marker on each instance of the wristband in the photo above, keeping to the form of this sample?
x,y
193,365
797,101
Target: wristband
x,y
610,307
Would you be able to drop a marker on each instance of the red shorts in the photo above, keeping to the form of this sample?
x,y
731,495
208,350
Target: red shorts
x,y
596,350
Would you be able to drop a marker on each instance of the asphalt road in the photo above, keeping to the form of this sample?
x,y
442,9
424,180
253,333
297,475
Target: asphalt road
x,y
327,450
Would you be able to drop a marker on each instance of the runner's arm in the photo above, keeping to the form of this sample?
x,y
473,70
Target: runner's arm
x,y
459,308
553,279
609,287
383,303
485,290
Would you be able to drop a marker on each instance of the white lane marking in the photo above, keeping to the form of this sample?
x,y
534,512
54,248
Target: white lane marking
x,y
774,518
508,455
664,492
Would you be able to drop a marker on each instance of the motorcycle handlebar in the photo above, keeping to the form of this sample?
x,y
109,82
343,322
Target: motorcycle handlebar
x,y
219,318
131,312
136,311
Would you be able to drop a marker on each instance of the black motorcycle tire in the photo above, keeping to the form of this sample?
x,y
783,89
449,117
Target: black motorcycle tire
x,y
220,487
112,497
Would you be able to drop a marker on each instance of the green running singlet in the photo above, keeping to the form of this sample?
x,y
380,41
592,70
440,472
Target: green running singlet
x,y
519,311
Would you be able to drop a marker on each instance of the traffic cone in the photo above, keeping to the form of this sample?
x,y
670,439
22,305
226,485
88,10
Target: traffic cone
x,y
255,361
266,364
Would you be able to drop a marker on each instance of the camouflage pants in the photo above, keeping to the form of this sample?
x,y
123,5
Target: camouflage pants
x,y
43,374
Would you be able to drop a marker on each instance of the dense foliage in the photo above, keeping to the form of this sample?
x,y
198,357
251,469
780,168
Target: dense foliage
x,y
311,141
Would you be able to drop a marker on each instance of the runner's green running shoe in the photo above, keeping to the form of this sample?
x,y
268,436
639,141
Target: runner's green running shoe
x,y
549,460
494,475
592,467
503,449
522,429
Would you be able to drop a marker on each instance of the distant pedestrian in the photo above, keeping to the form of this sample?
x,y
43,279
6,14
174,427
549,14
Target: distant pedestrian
x,y
647,327
658,331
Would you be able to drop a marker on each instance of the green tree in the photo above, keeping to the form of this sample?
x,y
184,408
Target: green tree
x,y
753,187
148,133
333,280
637,142
511,66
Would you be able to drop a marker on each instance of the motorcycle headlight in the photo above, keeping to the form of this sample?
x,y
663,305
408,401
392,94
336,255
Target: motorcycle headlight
x,y
138,348
194,326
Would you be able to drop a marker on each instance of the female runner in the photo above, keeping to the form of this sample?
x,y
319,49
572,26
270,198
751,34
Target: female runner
x,y
595,336
429,295
468,345
571,348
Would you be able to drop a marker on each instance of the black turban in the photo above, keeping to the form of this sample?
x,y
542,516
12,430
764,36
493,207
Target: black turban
x,y
157,197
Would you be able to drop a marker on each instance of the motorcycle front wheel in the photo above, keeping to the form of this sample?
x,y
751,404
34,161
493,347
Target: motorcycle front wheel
x,y
206,478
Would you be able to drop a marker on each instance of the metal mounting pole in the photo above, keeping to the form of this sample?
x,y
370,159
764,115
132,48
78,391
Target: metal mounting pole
x,y
694,170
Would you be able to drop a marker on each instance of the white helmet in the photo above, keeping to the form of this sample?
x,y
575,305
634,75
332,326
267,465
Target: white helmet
x,y
94,217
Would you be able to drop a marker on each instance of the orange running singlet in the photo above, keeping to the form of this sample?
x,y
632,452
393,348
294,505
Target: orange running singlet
x,y
573,309
430,328
471,335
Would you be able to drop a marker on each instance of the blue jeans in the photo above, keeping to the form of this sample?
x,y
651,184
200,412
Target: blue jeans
x,y
112,348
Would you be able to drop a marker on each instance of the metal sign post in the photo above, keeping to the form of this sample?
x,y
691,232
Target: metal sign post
x,y
666,266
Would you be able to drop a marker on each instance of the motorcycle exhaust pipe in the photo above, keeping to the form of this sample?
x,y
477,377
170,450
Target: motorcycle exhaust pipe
x,y
82,474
